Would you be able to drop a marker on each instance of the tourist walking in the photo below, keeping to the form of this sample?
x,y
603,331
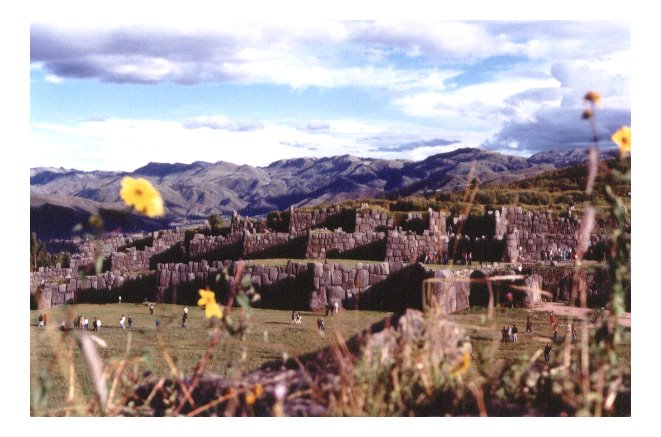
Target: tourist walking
x,y
528,325
41,320
158,325
515,331
151,308
122,321
130,321
98,325
555,332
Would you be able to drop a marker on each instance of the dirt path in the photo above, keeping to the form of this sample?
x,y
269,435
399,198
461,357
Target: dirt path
x,y
563,309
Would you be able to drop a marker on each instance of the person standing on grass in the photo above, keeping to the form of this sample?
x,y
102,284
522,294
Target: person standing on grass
x,y
98,325
573,333
130,320
41,320
183,320
547,352
528,325
515,331
45,319
151,308
555,332
504,338
122,321
120,299
158,325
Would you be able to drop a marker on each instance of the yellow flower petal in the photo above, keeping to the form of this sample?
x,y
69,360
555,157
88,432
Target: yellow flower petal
x,y
250,398
463,365
213,309
623,139
258,389
206,297
141,195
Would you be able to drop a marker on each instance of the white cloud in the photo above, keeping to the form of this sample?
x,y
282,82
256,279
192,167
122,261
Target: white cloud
x,y
126,144
482,104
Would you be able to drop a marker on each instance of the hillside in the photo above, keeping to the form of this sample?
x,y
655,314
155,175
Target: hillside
x,y
194,191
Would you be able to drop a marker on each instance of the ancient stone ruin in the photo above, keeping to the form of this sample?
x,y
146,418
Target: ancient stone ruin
x,y
168,264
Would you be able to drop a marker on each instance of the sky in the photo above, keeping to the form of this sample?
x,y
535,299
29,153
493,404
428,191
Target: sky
x,y
117,94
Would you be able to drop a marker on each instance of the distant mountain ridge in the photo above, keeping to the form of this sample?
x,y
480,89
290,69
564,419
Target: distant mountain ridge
x,y
193,191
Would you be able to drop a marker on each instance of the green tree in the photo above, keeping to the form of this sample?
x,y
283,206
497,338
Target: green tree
x,y
216,221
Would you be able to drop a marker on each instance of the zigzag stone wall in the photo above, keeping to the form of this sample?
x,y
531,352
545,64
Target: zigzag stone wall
x,y
321,242
301,221
411,247
329,283
529,233
53,287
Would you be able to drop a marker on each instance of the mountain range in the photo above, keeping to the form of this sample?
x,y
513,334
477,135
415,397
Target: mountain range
x,y
62,197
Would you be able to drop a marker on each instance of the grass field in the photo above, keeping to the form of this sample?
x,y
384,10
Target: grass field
x,y
270,335
484,338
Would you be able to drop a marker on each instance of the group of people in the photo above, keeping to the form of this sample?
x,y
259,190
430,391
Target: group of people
x,y
296,318
332,308
562,254
124,320
510,334
43,319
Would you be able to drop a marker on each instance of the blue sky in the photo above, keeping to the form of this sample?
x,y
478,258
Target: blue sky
x,y
115,94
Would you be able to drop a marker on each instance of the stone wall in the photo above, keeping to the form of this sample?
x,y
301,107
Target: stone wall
x,y
530,233
239,225
371,220
253,243
53,287
203,244
381,286
411,247
300,221
132,260
321,242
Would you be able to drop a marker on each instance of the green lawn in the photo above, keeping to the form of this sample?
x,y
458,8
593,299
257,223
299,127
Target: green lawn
x,y
271,334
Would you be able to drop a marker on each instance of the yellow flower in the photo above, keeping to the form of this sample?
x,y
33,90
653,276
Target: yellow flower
x,y
593,97
141,194
213,310
206,297
258,390
463,365
623,139
250,398
208,301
